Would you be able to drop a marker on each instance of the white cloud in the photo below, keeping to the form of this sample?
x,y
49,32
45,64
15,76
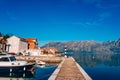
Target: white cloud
x,y
87,24
106,6
104,16
94,22
72,0
103,4
91,1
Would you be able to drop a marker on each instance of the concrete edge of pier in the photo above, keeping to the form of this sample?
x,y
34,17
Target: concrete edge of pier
x,y
55,73
85,75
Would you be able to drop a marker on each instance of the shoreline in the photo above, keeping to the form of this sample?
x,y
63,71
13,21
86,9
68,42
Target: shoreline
x,y
46,59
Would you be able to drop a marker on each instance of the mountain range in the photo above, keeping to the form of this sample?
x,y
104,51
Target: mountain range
x,y
87,46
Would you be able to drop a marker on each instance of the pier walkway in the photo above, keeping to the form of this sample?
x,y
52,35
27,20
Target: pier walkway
x,y
69,70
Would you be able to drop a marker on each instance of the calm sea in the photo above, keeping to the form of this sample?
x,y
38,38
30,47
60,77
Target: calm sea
x,y
100,66
40,73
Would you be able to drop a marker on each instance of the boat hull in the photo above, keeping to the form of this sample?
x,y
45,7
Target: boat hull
x,y
15,76
18,68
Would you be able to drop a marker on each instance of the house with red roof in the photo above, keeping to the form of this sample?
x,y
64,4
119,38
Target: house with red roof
x,y
33,43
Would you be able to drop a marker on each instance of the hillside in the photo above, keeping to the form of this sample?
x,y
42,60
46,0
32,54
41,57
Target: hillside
x,y
88,46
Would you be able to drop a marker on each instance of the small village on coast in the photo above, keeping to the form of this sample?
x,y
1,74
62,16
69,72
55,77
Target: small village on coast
x,y
28,49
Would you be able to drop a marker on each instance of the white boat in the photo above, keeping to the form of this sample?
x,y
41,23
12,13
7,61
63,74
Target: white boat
x,y
40,62
8,63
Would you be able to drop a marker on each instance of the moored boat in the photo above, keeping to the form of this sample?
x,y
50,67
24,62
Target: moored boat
x,y
40,63
8,63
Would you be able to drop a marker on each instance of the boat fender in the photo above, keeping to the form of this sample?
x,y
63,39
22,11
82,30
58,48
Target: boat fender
x,y
12,63
10,70
18,63
24,68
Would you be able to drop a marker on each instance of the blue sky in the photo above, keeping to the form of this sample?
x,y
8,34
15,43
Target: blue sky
x,y
61,20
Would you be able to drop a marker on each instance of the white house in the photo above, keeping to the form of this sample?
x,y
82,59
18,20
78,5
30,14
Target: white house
x,y
1,44
17,44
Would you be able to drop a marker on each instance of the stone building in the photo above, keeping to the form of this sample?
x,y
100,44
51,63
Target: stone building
x,y
17,44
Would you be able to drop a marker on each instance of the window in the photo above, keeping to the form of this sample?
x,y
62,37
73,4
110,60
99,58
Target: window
x,y
12,58
4,59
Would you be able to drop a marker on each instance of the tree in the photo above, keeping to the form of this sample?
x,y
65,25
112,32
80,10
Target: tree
x,y
3,40
1,34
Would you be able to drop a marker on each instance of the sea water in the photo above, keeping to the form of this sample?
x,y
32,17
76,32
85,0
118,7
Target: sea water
x,y
100,66
40,73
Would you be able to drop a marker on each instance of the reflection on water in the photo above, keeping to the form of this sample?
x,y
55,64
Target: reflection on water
x,y
96,59
40,73
16,76
43,73
100,66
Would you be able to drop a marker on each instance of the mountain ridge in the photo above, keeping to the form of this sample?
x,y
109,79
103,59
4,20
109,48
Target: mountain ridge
x,y
88,46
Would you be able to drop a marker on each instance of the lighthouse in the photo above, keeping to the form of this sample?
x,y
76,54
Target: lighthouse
x,y
65,51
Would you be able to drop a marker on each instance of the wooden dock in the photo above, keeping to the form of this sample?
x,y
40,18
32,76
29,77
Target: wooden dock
x,y
69,70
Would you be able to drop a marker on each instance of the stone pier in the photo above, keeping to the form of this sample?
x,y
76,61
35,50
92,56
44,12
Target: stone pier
x,y
69,69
